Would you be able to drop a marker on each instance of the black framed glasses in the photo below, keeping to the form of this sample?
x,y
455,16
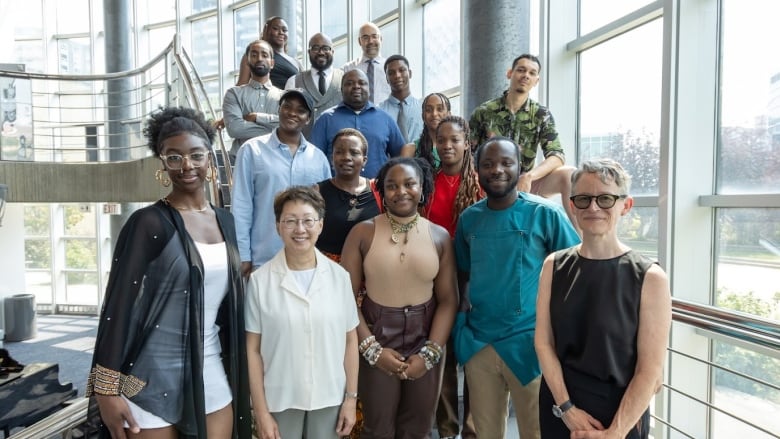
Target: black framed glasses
x,y
604,201
176,161
292,223
323,49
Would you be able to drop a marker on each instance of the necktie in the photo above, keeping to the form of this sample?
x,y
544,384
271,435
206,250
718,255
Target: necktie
x,y
370,74
321,84
402,120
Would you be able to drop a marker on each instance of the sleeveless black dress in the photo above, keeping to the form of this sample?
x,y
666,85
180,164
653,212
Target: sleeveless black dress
x,y
594,313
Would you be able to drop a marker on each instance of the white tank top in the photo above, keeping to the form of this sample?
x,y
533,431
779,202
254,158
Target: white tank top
x,y
215,287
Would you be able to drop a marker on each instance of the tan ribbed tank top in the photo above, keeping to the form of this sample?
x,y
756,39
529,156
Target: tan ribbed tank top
x,y
396,280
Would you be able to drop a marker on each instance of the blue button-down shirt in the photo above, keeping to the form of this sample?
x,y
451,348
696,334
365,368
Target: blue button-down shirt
x,y
382,133
412,115
265,167
503,252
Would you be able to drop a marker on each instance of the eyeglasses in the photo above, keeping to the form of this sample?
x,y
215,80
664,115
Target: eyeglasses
x,y
292,223
176,161
604,201
323,49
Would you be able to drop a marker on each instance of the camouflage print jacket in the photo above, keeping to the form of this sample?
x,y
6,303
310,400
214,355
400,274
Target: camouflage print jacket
x,y
530,127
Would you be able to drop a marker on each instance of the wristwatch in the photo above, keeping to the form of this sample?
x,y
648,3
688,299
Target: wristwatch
x,y
558,411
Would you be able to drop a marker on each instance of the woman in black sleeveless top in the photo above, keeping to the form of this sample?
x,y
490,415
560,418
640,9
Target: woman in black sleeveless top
x,y
349,198
603,318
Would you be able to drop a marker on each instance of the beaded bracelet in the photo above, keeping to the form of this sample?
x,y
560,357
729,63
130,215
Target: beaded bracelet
x,y
366,343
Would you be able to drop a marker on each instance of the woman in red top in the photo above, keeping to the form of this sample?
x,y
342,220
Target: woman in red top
x,y
455,188
455,185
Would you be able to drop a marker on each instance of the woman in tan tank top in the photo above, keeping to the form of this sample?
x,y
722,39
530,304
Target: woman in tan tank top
x,y
408,264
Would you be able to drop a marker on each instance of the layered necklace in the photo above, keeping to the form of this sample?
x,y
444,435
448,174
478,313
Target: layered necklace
x,y
399,228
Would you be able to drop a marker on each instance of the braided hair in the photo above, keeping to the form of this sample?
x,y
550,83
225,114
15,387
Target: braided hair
x,y
469,191
425,143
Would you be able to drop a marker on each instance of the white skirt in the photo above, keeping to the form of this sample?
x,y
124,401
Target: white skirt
x,y
216,390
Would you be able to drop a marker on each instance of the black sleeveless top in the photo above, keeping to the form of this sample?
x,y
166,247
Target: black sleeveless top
x,y
342,211
594,313
282,70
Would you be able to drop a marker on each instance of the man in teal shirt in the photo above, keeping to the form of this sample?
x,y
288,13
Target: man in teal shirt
x,y
500,245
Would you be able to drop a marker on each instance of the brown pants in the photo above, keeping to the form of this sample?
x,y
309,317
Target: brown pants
x,y
392,408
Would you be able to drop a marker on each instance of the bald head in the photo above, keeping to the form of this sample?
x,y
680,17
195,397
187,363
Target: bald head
x,y
370,40
354,89
320,51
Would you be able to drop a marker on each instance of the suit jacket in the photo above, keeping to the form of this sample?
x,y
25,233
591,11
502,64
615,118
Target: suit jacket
x,y
331,98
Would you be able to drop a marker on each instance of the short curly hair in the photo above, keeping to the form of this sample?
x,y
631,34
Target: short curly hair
x,y
420,165
172,121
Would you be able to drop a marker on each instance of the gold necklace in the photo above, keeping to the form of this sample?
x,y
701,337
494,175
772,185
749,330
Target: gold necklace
x,y
399,228
190,209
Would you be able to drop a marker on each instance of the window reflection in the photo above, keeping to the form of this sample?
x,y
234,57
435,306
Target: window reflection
x,y
620,106
205,50
441,37
749,143
748,261
334,18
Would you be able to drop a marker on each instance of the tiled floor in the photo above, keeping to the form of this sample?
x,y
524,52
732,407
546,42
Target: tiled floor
x,y
63,339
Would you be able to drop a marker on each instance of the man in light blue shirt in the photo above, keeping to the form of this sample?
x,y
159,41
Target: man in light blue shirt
x,y
401,105
267,165
500,245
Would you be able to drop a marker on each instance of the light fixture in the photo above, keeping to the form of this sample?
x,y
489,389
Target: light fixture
x,y
3,197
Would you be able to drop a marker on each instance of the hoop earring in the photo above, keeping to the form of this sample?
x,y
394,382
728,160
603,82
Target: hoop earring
x,y
211,174
422,200
161,176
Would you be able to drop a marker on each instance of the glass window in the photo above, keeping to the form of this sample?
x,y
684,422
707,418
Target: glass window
x,y
380,8
81,288
597,13
28,20
74,56
390,38
639,230
72,16
334,18
205,50
441,40
37,251
748,261
246,23
203,5
214,94
30,53
340,53
79,220
156,11
749,143
620,107
751,400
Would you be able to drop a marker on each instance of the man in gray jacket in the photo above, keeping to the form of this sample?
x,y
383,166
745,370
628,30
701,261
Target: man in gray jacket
x,y
322,80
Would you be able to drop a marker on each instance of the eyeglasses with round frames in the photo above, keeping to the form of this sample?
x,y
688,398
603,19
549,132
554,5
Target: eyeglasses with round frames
x,y
176,161
604,201
323,49
292,223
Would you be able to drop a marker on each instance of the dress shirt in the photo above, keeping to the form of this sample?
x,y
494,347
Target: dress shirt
x,y
412,112
381,87
315,76
252,97
264,167
384,138
304,333
503,252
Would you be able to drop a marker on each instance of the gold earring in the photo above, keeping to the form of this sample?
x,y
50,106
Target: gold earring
x,y
161,176
211,175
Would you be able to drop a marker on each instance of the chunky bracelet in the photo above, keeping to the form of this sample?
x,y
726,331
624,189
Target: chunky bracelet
x,y
368,341
431,354
372,352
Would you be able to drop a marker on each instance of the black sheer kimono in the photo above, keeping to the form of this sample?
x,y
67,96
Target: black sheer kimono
x,y
155,291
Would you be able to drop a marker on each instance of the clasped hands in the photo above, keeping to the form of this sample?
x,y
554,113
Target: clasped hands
x,y
394,364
